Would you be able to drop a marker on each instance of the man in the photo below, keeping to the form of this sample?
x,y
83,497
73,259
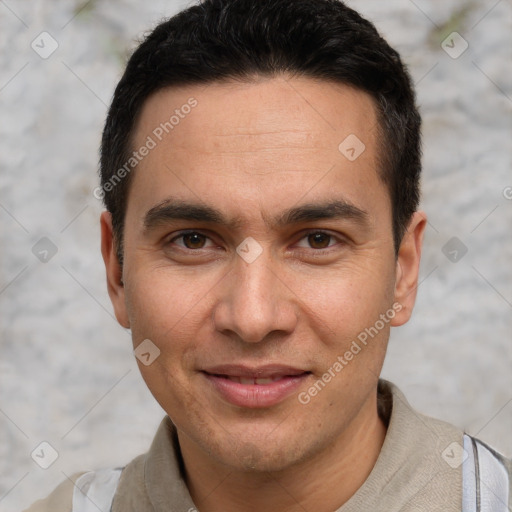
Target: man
x,y
260,168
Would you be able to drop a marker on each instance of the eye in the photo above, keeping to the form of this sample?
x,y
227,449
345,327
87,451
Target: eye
x,y
195,240
318,239
191,240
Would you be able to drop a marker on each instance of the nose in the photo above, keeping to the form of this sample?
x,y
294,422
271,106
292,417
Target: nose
x,y
255,301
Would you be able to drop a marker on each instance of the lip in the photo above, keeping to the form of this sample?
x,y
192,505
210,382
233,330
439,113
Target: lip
x,y
271,383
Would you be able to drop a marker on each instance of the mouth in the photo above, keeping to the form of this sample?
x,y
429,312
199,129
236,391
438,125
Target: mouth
x,y
260,381
255,387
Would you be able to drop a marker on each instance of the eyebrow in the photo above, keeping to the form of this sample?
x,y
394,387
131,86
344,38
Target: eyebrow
x,y
174,209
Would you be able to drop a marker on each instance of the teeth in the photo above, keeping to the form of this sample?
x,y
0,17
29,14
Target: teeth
x,y
251,381
264,381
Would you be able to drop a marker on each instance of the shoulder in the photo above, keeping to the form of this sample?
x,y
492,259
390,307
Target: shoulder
x,y
481,447
487,473
120,486
60,500
454,462
74,493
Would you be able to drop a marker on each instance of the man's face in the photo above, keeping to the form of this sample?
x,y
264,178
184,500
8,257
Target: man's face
x,y
221,318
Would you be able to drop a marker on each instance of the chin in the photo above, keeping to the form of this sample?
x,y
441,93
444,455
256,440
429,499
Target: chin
x,y
259,455
253,459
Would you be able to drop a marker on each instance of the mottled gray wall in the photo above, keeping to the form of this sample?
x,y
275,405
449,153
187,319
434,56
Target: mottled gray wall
x,y
67,374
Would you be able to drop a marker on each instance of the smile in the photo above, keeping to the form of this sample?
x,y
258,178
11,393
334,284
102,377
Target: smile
x,y
254,387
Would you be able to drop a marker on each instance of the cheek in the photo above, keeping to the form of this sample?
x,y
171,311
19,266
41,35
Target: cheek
x,y
172,309
163,310
163,302
172,391
344,302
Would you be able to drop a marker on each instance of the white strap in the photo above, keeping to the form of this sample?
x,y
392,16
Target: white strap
x,y
94,491
469,478
494,485
485,479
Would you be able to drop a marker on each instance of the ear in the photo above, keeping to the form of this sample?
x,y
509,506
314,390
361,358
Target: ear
x,y
407,268
115,284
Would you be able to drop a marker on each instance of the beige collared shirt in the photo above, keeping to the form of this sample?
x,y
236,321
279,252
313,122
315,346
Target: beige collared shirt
x,y
418,469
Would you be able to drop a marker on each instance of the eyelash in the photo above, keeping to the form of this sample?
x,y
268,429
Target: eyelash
x,y
305,235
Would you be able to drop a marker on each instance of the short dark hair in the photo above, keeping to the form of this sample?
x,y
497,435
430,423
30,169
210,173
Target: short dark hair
x,y
219,40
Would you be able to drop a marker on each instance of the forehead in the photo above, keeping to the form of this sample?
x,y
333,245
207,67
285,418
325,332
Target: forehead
x,y
267,141
300,110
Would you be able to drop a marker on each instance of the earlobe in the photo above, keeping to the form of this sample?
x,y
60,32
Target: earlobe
x,y
407,267
115,285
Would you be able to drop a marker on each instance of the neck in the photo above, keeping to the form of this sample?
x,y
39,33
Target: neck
x,y
323,483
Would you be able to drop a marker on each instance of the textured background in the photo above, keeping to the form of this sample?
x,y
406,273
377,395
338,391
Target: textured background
x,y
67,374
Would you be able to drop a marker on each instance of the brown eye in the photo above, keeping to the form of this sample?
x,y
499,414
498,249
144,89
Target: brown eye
x,y
191,240
319,240
194,240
